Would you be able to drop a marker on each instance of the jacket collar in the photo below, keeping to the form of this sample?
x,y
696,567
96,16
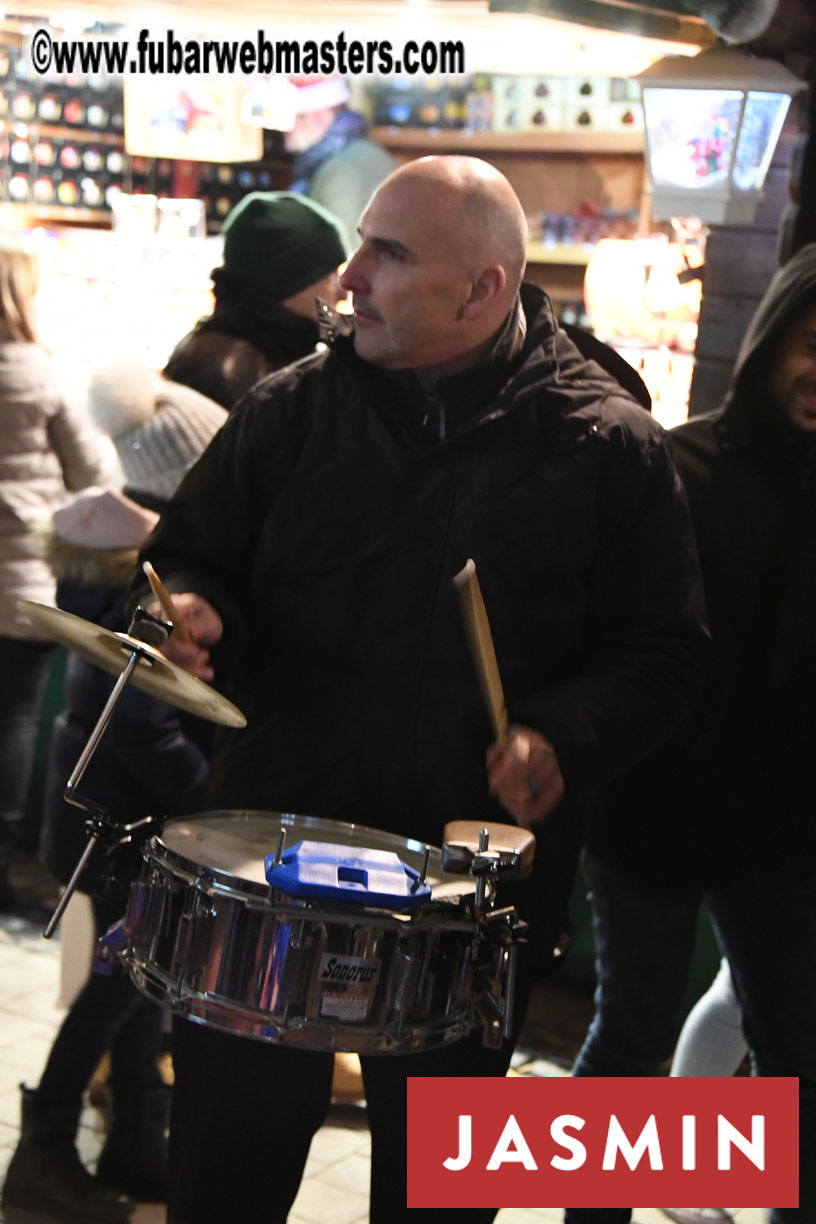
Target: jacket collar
x,y
436,408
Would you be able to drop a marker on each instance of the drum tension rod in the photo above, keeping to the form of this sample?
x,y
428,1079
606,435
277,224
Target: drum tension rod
x,y
281,844
278,859
484,863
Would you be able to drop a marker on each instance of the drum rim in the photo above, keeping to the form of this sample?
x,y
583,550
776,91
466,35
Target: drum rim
x,y
228,880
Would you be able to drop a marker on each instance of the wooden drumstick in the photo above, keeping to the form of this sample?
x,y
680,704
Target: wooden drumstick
x,y
168,607
484,654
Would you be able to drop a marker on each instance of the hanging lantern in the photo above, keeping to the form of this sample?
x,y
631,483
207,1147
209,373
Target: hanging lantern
x,y
712,124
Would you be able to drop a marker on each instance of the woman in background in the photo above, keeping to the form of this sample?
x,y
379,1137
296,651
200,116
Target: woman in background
x,y
152,760
46,450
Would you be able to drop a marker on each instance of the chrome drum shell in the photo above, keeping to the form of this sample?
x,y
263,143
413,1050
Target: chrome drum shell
x,y
207,935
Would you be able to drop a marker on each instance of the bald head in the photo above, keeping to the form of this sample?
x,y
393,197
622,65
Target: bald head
x,y
476,205
442,253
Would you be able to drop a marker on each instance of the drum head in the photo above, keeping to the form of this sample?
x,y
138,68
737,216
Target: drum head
x,y
234,844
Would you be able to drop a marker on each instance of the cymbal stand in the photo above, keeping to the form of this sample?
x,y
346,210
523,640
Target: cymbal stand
x,y
153,632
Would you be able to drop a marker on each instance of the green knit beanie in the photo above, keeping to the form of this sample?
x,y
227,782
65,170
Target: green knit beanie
x,y
280,243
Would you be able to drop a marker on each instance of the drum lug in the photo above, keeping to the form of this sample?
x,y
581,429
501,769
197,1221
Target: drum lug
x,y
490,1012
110,947
493,1035
295,968
203,910
203,883
496,1002
192,947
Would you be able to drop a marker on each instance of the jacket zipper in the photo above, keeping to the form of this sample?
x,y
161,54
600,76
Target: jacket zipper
x,y
435,405
443,551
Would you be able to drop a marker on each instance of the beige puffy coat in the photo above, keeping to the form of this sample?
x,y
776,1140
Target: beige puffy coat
x,y
46,451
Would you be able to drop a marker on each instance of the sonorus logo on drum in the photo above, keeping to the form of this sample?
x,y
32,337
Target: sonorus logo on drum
x,y
349,970
347,985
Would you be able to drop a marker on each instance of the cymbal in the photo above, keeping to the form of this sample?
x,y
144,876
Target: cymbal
x,y
153,673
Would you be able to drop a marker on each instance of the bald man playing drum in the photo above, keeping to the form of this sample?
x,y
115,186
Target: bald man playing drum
x,y
310,554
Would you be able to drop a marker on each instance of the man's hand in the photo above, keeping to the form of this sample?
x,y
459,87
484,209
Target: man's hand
x,y
525,776
205,628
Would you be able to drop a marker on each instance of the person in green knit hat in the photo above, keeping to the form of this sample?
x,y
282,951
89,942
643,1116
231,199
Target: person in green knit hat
x,y
281,253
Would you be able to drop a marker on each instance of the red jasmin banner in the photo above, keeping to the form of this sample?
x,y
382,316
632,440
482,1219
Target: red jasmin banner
x,y
538,1142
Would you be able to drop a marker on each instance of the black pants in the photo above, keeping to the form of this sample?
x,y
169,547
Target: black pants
x,y
24,667
244,1114
109,1015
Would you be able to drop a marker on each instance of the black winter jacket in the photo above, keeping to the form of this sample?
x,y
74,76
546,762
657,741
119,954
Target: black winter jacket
x,y
326,522
246,338
734,794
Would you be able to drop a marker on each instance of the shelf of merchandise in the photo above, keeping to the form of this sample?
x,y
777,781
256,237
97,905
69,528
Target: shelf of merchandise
x,y
455,140
576,254
26,215
57,132
27,212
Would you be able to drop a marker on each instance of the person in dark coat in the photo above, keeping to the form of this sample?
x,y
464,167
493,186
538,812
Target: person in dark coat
x,y
152,760
281,252
316,540
723,815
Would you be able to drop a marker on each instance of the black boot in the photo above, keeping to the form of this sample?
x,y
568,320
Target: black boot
x,y
134,1158
46,1181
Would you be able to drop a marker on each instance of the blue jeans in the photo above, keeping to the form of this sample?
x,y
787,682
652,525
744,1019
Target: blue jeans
x,y
644,939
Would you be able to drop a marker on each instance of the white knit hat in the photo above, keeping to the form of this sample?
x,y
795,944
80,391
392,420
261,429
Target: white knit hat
x,y
159,427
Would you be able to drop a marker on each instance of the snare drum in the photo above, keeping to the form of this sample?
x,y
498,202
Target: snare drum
x,y
208,935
